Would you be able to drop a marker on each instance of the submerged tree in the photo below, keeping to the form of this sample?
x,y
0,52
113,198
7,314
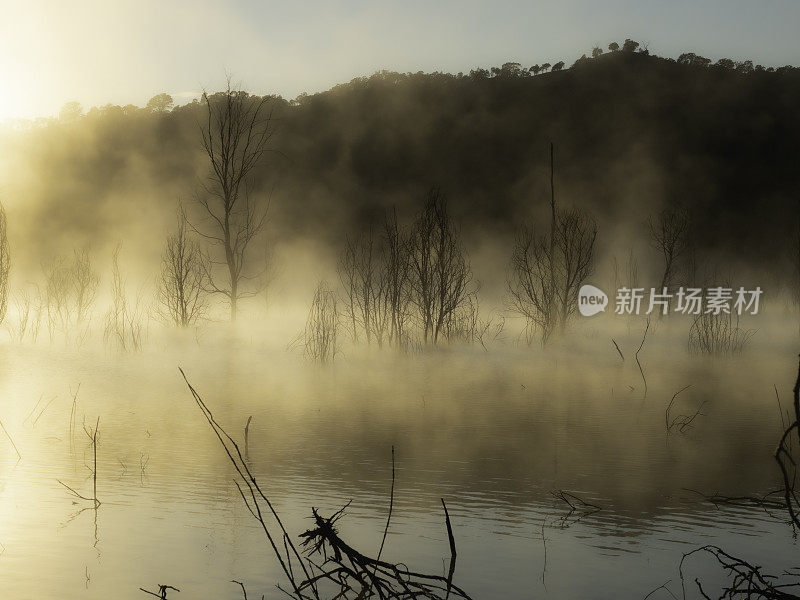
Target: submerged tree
x,y
5,263
440,272
320,337
548,269
181,287
235,137
124,320
668,235
85,281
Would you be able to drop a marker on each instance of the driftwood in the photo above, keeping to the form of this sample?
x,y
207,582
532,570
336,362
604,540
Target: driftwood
x,y
746,581
327,566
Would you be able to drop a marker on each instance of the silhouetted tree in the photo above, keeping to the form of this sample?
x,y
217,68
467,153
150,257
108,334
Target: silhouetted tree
x,y
160,103
440,271
630,46
535,69
321,334
694,60
511,69
668,235
181,287
360,272
725,63
547,270
596,51
235,137
560,64
613,46
582,59
545,67
397,273
5,263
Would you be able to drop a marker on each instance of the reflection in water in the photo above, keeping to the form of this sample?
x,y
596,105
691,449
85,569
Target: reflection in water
x,y
495,434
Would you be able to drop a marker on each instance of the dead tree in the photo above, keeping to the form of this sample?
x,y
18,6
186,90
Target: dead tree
x,y
547,269
5,263
181,288
397,278
575,237
545,275
235,137
320,337
84,285
57,296
124,320
440,272
364,273
668,235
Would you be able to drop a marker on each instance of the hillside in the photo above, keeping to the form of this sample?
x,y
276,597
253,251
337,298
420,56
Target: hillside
x,y
633,132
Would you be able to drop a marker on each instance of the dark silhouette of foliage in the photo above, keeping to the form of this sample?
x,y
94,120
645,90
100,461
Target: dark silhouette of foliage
x,y
630,46
160,103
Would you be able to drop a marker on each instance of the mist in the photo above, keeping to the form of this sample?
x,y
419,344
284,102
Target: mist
x,y
372,298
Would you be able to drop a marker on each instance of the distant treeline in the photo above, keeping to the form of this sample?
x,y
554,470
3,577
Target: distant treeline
x,y
634,133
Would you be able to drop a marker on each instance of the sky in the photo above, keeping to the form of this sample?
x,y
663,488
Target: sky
x,y
125,51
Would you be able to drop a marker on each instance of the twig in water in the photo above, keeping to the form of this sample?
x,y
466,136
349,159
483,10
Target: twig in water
x,y
239,583
681,422
618,350
92,435
162,591
391,505
453,552
247,438
10,439
576,505
39,416
781,413
664,587
747,581
72,415
353,574
644,337
544,545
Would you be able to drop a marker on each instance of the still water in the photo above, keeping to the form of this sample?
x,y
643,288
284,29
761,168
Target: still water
x,y
493,433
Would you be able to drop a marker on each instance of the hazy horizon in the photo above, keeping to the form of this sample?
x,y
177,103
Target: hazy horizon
x,y
124,54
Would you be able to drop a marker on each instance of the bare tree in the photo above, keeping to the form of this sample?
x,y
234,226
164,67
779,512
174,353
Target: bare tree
x,y
575,237
357,275
5,263
181,287
22,300
124,320
235,137
57,296
397,278
440,272
84,281
668,235
320,337
531,284
630,277
547,270
364,271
